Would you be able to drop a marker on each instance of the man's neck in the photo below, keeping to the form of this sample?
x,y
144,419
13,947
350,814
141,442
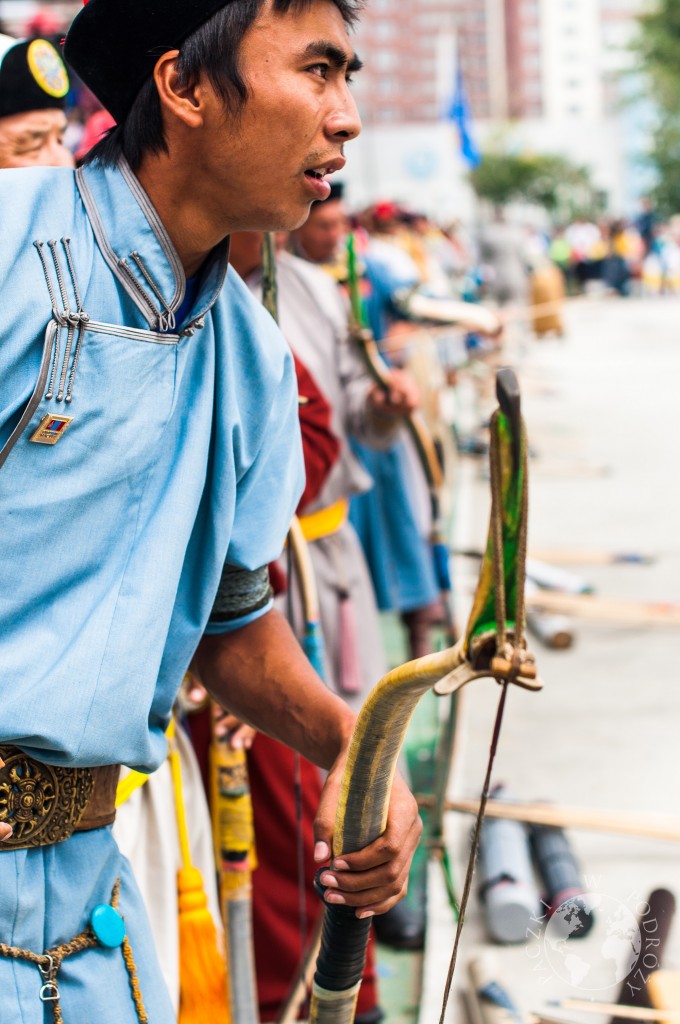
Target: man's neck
x,y
192,231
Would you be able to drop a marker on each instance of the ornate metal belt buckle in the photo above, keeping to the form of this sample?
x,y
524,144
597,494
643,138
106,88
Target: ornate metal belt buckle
x,y
42,802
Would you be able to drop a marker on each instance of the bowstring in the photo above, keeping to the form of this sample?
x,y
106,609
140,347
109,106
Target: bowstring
x,y
499,584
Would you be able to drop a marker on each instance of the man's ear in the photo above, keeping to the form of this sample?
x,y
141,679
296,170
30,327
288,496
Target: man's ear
x,y
184,102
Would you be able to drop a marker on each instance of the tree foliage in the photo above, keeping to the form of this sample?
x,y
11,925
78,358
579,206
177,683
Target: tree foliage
x,y
658,49
562,188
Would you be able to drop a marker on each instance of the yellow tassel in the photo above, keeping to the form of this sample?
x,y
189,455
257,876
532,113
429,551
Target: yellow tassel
x,y
203,978
203,992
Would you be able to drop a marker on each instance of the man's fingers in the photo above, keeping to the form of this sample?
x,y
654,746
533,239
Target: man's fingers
x,y
378,900
372,880
389,848
321,852
324,821
381,855
390,874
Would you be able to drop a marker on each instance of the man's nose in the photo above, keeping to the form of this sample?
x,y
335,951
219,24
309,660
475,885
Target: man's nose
x,y
59,156
344,123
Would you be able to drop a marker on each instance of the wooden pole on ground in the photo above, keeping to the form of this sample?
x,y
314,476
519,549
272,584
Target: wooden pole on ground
x,y
605,609
621,822
638,1013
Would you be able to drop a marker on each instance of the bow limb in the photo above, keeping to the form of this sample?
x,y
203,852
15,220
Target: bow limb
x,y
492,648
428,455
312,641
379,371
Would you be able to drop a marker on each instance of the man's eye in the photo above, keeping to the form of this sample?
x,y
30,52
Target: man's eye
x,y
319,69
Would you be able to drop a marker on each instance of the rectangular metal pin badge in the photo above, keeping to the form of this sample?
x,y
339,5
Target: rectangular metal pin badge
x,y
51,429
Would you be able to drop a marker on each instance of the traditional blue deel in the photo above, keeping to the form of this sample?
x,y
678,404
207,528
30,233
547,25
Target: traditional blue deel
x,y
183,452
108,926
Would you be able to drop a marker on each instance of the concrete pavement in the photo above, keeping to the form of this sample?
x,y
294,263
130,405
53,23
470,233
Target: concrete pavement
x,y
602,409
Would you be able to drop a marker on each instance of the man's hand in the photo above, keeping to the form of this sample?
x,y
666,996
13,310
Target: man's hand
x,y
375,878
262,675
402,399
237,734
226,726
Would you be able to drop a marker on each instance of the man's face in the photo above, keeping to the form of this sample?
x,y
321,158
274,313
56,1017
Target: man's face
x,y
322,234
34,139
266,166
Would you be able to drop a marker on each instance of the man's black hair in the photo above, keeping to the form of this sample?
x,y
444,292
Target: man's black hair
x,y
213,49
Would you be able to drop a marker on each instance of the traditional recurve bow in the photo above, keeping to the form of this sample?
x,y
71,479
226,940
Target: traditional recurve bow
x,y
491,646
430,461
363,338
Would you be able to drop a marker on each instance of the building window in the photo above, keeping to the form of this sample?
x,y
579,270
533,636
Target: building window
x,y
384,60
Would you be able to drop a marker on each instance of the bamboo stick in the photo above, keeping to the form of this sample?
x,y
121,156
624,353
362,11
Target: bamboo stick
x,y
640,1013
545,1018
575,556
468,317
606,609
621,822
590,556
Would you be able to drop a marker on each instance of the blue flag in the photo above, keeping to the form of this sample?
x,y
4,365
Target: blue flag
x,y
459,112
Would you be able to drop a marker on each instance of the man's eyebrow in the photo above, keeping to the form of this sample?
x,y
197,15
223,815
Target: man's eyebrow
x,y
338,57
31,136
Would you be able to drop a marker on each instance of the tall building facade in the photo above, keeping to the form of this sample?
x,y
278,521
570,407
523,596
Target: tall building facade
x,y
520,59
410,48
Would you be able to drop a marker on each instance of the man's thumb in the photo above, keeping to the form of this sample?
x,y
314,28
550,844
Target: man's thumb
x,y
323,835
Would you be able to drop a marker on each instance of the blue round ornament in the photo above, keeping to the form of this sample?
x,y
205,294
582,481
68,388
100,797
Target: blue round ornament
x,y
108,926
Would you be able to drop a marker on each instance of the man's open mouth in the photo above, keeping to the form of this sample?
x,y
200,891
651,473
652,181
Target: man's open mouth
x,y
319,174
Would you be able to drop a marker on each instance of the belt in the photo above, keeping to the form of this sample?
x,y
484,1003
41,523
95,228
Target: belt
x,y
46,803
326,521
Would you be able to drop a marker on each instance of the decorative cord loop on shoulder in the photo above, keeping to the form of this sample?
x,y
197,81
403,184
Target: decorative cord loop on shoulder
x,y
74,320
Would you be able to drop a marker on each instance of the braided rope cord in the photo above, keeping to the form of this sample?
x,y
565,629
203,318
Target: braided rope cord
x,y
50,962
130,964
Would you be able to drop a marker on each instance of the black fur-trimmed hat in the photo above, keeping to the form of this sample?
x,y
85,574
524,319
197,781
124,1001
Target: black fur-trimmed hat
x,y
32,76
113,45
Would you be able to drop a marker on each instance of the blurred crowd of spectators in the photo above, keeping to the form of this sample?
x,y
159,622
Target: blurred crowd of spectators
x,y
494,262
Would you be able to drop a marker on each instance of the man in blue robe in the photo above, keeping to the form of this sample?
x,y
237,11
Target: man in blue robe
x,y
149,467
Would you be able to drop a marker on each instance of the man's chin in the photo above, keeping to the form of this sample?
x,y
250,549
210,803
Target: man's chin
x,y
298,219
278,220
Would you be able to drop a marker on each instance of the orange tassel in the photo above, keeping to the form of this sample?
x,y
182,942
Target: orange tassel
x,y
203,993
